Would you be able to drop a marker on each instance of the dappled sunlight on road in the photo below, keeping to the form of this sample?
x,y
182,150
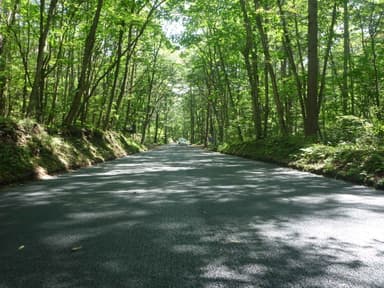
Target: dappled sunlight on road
x,y
184,217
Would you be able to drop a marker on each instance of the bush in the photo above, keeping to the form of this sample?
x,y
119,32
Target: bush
x,y
351,129
351,161
15,163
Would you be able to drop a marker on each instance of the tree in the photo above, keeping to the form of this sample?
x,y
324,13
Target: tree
x,y
311,124
35,107
83,82
242,64
251,63
271,71
7,20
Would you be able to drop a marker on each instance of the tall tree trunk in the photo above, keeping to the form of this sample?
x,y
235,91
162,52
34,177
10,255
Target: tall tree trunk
x,y
250,58
128,116
85,67
3,77
298,43
52,112
331,35
192,107
311,124
266,99
207,137
375,70
115,79
230,94
123,85
157,123
345,90
35,107
149,109
292,63
268,60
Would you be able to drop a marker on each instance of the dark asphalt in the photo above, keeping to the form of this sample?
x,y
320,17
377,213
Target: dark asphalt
x,y
183,217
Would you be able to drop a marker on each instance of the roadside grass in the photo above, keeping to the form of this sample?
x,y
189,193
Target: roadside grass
x,y
28,151
362,164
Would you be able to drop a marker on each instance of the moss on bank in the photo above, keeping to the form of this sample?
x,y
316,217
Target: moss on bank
x,y
355,163
27,151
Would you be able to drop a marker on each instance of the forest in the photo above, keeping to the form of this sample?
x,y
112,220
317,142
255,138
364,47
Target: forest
x,y
218,72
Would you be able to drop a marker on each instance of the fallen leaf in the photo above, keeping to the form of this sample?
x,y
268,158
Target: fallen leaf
x,y
21,247
74,249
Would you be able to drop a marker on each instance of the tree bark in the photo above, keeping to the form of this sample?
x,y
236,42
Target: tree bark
x,y
292,63
115,79
149,109
311,124
345,89
35,107
85,67
268,60
327,54
250,58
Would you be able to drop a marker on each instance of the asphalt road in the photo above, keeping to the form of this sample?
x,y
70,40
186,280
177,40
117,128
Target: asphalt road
x,y
183,217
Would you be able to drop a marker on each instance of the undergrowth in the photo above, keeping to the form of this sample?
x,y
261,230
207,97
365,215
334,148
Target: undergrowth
x,y
27,150
353,150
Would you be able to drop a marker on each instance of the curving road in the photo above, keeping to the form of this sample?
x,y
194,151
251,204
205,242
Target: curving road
x,y
183,217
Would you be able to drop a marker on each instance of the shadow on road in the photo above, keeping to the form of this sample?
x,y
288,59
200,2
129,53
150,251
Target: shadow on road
x,y
183,217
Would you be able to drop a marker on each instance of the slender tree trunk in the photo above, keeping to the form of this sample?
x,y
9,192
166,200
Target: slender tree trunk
x,y
345,89
230,94
192,115
35,107
116,77
3,78
331,35
206,131
266,99
352,86
52,112
102,104
129,101
149,109
375,71
268,60
85,67
157,123
292,63
123,86
299,47
250,58
311,125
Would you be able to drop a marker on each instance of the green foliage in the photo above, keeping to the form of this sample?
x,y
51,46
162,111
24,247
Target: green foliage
x,y
25,148
15,163
210,92
315,154
351,129
347,161
280,150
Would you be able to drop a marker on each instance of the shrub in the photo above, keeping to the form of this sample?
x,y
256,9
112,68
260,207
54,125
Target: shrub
x,y
351,129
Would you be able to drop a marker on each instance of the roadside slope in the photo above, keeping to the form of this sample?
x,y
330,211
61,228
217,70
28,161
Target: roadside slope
x,y
27,151
354,163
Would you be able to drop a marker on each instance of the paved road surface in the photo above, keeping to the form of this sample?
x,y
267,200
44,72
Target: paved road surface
x,y
183,217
